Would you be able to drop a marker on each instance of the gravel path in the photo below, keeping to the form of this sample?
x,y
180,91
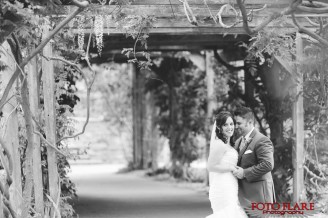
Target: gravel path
x,y
105,194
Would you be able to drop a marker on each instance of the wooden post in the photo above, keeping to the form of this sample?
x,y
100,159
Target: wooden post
x,y
50,120
10,131
298,128
211,101
133,70
137,110
34,96
144,145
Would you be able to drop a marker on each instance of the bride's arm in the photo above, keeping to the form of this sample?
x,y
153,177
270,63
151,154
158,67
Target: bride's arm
x,y
214,164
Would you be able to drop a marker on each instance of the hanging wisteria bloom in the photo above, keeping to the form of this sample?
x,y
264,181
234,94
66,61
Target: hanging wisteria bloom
x,y
99,32
80,26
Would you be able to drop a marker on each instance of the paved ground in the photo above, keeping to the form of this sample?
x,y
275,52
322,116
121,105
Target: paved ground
x,y
105,194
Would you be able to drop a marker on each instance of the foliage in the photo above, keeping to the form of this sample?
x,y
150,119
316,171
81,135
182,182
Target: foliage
x,y
27,29
273,43
283,173
66,100
138,28
116,88
25,19
180,94
264,47
316,122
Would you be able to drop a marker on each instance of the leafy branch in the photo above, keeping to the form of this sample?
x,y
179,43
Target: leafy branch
x,y
285,11
138,28
82,6
295,5
315,36
87,83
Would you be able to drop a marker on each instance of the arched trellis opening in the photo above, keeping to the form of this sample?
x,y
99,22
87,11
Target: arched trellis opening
x,y
175,29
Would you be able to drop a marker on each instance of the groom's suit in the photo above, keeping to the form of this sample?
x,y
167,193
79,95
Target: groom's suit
x,y
256,158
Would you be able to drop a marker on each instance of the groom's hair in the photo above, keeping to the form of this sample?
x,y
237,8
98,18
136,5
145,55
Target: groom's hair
x,y
245,112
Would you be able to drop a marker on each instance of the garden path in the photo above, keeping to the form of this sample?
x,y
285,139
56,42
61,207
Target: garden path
x,y
105,194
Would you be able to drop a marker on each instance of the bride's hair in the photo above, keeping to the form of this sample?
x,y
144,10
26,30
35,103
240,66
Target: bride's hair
x,y
221,119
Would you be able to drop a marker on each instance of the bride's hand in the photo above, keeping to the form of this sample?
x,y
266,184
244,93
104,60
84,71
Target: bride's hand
x,y
232,168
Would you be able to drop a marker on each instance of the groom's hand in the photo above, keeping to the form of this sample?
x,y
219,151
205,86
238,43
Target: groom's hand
x,y
238,172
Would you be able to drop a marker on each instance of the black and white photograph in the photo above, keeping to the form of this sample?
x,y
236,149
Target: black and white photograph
x,y
163,108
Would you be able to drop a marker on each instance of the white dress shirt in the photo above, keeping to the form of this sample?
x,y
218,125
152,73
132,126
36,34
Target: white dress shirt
x,y
248,134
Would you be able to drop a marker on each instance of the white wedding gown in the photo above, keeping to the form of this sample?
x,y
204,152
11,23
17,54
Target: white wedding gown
x,y
223,192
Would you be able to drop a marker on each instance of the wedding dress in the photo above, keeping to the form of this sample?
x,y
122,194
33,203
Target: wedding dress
x,y
223,193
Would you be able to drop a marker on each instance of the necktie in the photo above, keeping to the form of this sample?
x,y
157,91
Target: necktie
x,y
242,144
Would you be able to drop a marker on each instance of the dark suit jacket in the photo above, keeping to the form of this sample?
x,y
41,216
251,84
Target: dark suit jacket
x,y
256,158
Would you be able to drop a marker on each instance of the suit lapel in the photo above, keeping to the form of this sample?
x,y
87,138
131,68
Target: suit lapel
x,y
247,144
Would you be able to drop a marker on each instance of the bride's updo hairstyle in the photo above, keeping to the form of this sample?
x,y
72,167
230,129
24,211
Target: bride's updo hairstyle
x,y
221,119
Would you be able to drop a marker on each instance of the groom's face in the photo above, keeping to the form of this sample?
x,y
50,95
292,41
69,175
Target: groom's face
x,y
242,125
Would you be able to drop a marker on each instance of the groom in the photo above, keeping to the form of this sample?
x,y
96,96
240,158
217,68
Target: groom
x,y
255,161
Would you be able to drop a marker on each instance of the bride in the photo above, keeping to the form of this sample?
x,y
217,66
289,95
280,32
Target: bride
x,y
222,160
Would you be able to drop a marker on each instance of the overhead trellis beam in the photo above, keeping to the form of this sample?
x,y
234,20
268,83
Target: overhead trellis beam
x,y
166,23
166,10
185,31
182,26
209,2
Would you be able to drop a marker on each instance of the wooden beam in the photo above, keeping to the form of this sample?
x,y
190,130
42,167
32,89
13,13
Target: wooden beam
x,y
186,31
209,2
34,96
298,127
204,21
284,64
176,10
174,42
48,79
181,26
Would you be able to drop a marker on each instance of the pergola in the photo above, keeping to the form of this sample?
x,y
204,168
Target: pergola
x,y
181,25
191,25
196,25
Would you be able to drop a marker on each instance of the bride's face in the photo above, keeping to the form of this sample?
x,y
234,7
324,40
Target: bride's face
x,y
228,128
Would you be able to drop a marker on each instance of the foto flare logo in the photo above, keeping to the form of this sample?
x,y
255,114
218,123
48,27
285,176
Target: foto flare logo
x,y
303,209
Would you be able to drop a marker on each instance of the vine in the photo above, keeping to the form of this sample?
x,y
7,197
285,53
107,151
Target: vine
x,y
138,28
